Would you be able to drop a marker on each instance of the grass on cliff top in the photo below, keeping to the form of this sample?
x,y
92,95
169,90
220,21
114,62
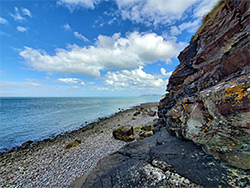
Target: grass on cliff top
x,y
208,19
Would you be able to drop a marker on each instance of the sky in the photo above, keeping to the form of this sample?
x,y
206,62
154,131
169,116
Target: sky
x,y
93,48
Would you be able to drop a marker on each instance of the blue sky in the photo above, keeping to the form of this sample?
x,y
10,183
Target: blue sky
x,y
93,47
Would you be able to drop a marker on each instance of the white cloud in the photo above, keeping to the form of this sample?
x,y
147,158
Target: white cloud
x,y
191,26
81,37
153,11
26,12
149,12
21,29
204,7
134,79
72,61
165,73
69,80
116,52
3,21
75,4
67,27
175,31
17,16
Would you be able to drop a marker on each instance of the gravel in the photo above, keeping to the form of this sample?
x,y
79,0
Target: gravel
x,y
49,164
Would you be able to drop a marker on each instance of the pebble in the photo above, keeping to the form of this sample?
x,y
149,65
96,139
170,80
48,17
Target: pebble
x,y
48,164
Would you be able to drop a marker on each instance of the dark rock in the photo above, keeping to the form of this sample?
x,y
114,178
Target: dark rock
x,y
26,144
136,113
152,113
148,128
124,133
162,161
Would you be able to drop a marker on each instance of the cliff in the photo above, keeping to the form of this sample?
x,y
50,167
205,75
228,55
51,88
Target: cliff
x,y
207,106
209,92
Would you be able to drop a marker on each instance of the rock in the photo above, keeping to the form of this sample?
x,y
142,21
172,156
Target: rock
x,y
161,164
136,113
75,143
147,128
162,161
124,133
145,134
152,113
26,144
209,95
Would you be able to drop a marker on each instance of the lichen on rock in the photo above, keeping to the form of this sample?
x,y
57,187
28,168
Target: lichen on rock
x,y
209,96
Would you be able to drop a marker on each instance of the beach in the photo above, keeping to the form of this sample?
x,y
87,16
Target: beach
x,y
49,164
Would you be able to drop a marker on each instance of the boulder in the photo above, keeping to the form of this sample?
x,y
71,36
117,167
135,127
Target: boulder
x,y
145,134
75,143
124,133
152,113
148,128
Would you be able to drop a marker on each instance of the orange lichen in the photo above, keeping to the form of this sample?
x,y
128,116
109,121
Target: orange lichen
x,y
209,121
238,91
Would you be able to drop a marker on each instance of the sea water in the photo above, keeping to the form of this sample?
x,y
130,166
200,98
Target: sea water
x,y
23,119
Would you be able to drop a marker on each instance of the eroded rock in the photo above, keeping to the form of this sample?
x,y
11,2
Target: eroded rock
x,y
124,133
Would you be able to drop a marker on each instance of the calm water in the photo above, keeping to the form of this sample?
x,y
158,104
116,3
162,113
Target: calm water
x,y
23,119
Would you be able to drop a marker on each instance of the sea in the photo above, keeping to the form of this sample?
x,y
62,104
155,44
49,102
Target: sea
x,y
23,119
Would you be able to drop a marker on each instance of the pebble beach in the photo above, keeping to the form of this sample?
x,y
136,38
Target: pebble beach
x,y
49,164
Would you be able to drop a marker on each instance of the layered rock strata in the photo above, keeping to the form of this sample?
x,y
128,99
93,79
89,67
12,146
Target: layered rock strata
x,y
209,92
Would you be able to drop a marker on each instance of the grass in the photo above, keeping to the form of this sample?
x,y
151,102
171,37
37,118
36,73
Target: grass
x,y
209,19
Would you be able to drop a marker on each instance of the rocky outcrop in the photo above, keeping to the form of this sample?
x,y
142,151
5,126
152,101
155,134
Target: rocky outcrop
x,y
209,92
162,161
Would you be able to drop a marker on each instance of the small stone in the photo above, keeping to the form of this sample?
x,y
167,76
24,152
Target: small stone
x,y
152,113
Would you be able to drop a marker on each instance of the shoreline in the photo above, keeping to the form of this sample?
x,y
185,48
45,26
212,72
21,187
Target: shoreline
x,y
83,127
62,166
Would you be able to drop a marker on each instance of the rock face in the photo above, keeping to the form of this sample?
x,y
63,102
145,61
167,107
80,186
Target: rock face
x,y
209,92
162,161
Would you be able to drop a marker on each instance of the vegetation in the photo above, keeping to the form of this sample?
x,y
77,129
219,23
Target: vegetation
x,y
208,19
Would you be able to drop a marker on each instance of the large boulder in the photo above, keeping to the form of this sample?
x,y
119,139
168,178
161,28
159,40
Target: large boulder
x,y
124,133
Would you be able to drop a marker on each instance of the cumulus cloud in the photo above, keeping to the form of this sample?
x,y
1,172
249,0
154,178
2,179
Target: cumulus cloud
x,y
115,52
67,27
80,36
136,78
21,29
75,4
3,21
26,12
72,61
165,73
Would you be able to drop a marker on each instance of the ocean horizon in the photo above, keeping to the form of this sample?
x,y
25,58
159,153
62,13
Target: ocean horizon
x,y
39,118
